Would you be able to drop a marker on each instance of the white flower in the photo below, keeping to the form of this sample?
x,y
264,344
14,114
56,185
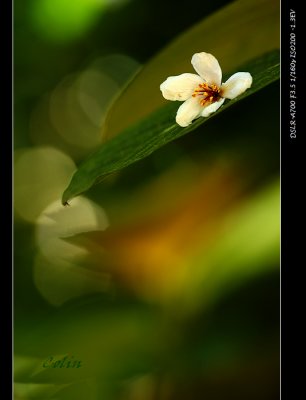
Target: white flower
x,y
204,93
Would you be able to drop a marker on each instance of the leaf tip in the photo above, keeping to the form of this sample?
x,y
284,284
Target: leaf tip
x,y
65,198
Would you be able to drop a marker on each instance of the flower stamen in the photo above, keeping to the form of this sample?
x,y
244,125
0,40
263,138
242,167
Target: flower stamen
x,y
208,93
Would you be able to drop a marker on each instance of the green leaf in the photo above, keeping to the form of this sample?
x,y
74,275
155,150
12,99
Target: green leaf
x,y
160,128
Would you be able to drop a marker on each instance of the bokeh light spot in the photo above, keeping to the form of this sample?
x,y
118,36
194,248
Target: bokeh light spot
x,y
41,175
65,20
58,274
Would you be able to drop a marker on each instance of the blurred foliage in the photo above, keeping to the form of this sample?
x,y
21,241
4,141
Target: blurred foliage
x,y
164,280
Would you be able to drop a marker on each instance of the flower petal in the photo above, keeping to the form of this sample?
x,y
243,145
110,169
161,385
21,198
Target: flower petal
x,y
188,111
207,67
236,85
212,108
180,87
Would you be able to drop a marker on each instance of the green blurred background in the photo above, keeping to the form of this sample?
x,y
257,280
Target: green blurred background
x,y
164,280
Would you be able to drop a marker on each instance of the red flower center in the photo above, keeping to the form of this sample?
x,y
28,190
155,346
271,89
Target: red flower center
x,y
208,93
